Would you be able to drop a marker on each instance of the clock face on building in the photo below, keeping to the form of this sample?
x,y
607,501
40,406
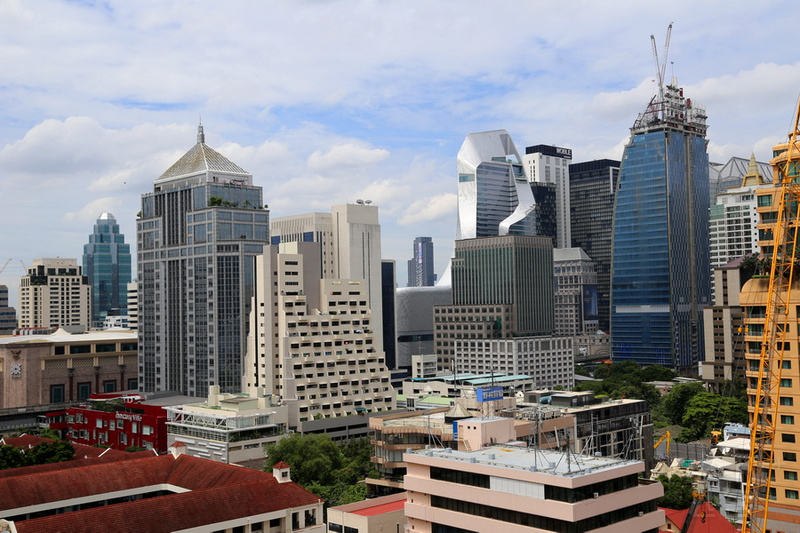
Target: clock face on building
x,y
16,370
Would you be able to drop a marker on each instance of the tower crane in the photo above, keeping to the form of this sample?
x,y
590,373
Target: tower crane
x,y
662,66
765,413
5,265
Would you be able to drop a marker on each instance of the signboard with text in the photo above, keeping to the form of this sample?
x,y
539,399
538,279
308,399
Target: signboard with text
x,y
489,394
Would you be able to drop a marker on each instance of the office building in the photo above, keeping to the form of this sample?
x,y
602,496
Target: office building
x,y
512,488
415,325
107,265
54,293
661,265
723,176
388,312
384,514
197,235
575,280
8,315
133,304
350,240
593,190
157,494
502,288
551,164
314,342
420,266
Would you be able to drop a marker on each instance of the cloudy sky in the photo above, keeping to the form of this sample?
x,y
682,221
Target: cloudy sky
x,y
328,101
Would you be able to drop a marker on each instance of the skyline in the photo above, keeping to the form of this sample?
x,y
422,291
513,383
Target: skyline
x,y
328,102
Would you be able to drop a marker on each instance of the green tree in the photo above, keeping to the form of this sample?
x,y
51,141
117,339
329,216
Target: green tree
x,y
707,411
55,451
675,402
11,457
677,492
313,458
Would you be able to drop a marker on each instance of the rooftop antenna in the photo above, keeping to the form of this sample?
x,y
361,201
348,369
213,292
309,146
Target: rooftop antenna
x,y
661,66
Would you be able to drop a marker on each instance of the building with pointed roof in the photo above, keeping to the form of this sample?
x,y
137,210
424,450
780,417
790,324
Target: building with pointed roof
x,y
107,265
197,234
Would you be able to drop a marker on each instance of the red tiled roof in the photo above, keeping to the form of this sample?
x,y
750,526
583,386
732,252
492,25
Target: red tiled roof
x,y
280,465
705,519
382,508
81,451
218,492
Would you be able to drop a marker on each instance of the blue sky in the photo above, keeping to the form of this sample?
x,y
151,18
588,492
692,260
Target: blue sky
x,y
329,101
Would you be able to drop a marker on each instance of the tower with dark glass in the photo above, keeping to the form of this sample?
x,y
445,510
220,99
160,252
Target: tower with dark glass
x,y
660,266
107,265
197,235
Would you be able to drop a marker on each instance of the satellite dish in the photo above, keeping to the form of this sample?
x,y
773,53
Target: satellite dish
x,y
367,202
360,202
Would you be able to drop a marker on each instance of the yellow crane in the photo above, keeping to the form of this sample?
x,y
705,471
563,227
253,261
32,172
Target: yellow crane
x,y
765,415
666,436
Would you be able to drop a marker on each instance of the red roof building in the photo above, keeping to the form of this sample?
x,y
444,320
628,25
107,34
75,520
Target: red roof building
x,y
705,519
378,514
157,494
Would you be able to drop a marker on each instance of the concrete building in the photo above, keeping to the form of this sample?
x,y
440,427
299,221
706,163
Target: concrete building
x,y
197,235
576,303
593,191
64,367
723,330
415,324
420,266
230,428
389,312
8,315
313,342
107,265
157,494
133,305
661,265
513,488
53,293
350,240
723,176
551,164
376,515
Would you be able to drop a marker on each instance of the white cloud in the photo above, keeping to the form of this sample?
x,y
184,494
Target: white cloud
x,y
430,209
343,157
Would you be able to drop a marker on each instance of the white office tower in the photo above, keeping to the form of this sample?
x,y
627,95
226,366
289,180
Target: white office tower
x,y
494,197
550,164
54,293
350,240
313,340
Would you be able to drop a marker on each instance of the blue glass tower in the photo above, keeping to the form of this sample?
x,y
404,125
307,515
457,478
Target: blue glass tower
x,y
107,264
660,260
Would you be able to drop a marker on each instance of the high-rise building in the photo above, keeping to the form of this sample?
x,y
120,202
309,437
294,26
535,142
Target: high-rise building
x,y
593,188
575,283
107,264
723,176
314,340
133,304
733,218
550,164
420,266
661,265
8,315
350,239
54,293
388,313
197,235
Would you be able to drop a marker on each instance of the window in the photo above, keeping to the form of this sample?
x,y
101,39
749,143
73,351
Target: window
x,y
56,393
790,456
110,385
791,494
787,419
133,383
84,390
785,382
787,437
787,400
334,528
790,475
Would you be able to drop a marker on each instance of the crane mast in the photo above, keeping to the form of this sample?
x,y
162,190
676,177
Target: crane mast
x,y
765,409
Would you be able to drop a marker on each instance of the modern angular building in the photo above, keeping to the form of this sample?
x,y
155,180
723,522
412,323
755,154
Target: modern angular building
x,y
420,266
54,293
661,265
197,235
107,264
593,189
551,164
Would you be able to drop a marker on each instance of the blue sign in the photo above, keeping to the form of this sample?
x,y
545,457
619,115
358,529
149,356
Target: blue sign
x,y
490,394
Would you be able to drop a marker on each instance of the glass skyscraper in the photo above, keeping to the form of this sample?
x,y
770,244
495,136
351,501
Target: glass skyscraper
x,y
660,278
420,266
107,264
197,235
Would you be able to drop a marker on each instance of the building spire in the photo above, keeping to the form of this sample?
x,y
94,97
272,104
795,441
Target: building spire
x,y
201,137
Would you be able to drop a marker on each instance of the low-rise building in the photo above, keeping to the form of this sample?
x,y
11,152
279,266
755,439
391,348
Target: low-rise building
x,y
515,488
376,515
157,494
230,428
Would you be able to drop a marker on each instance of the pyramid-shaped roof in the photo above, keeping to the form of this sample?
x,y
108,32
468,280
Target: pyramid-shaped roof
x,y
201,158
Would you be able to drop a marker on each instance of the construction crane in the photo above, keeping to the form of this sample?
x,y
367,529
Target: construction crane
x,y
765,415
5,265
666,436
661,67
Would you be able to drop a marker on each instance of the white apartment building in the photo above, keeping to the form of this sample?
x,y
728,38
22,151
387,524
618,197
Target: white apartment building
x,y
550,164
312,340
54,293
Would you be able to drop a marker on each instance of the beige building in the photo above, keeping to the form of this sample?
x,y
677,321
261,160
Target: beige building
x,y
312,339
54,293
513,488
65,367
376,515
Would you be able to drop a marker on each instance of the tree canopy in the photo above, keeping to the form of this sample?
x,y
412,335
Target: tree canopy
x,y
706,412
43,453
330,471
627,380
675,402
677,492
